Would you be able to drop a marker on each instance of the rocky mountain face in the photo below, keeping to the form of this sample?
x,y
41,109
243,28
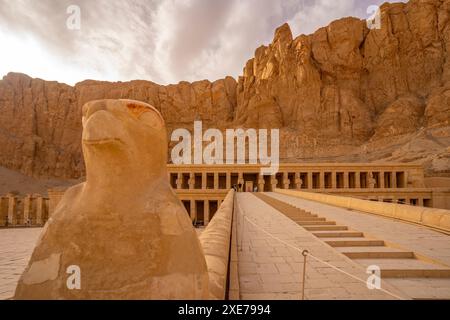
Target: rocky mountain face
x,y
344,93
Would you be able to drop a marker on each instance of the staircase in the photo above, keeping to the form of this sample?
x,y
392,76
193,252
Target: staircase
x,y
418,278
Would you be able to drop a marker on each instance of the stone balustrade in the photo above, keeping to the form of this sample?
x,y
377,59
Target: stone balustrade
x,y
435,218
30,210
216,241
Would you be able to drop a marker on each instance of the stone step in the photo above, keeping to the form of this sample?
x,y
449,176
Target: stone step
x,y
380,255
424,288
415,273
338,234
316,223
308,219
407,268
400,267
294,215
375,253
354,242
326,228
301,210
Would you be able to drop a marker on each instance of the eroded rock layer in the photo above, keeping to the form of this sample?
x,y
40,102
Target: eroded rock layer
x,y
344,93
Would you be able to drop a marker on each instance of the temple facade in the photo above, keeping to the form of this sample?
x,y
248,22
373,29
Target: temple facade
x,y
202,188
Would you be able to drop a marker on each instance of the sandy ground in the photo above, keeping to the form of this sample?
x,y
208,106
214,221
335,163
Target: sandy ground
x,y
13,181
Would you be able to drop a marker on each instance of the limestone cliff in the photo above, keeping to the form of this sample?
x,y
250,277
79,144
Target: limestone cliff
x,y
344,93
40,122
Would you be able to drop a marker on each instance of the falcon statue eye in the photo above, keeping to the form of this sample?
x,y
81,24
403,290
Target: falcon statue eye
x,y
151,119
136,109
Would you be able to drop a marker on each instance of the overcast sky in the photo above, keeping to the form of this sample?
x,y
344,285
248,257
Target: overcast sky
x,y
165,41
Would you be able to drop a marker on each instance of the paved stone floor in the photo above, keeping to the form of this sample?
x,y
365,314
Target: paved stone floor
x,y
271,269
16,247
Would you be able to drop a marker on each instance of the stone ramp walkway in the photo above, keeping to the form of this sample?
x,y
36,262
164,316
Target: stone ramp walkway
x,y
272,269
402,257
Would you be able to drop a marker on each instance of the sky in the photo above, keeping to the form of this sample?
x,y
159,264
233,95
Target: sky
x,y
164,41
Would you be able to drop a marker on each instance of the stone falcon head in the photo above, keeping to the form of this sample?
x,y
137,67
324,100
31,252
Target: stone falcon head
x,y
124,229
123,135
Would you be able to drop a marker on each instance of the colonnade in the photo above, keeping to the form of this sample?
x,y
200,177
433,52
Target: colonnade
x,y
309,180
31,210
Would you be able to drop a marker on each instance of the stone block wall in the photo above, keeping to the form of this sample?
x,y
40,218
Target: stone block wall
x,y
434,218
216,241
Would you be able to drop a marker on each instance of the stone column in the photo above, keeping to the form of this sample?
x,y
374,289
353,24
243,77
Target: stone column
x,y
405,179
261,183
371,180
358,180
322,180
179,181
273,182
421,202
241,181
241,178
3,212
286,181
193,210
298,181
204,180
12,203
206,207
39,209
333,180
382,179
26,208
310,180
394,179
346,183
228,180
191,181
216,181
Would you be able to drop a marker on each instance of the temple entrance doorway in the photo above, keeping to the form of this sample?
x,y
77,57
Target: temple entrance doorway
x,y
251,180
